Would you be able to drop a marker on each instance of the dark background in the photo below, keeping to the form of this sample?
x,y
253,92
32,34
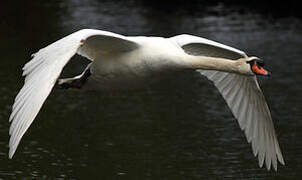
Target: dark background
x,y
178,129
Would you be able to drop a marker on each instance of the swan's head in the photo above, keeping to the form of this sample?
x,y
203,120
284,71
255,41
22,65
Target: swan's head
x,y
256,66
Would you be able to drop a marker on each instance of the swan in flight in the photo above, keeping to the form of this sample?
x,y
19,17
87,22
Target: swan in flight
x,y
119,61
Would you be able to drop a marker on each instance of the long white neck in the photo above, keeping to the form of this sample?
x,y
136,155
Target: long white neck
x,y
213,63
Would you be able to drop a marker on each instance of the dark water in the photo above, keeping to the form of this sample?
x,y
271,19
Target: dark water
x,y
179,129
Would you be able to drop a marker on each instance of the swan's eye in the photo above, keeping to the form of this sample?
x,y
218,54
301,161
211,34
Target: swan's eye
x,y
260,62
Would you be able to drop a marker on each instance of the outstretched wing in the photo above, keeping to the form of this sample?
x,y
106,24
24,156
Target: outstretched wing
x,y
242,94
44,69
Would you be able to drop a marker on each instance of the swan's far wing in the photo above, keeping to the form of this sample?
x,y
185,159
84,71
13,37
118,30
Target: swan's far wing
x,y
203,47
243,95
44,69
102,42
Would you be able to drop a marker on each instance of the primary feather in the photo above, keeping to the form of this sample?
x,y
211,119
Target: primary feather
x,y
44,69
243,95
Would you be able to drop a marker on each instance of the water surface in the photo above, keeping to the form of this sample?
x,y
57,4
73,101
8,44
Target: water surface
x,y
179,129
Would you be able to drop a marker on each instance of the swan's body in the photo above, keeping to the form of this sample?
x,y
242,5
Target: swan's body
x,y
122,62
134,68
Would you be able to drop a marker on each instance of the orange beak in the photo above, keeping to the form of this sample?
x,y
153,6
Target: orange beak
x,y
260,70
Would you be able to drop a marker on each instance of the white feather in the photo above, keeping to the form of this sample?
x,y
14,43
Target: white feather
x,y
243,96
44,69
241,93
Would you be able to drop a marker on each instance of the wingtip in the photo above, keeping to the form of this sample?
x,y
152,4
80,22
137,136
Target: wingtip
x,y
272,165
282,161
11,153
13,144
261,159
268,165
10,156
268,168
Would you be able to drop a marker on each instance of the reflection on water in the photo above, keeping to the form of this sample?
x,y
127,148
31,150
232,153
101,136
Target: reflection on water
x,y
180,128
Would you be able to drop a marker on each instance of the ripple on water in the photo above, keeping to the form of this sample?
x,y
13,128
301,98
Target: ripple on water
x,y
179,128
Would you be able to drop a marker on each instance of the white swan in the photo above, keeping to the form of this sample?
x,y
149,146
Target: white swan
x,y
118,61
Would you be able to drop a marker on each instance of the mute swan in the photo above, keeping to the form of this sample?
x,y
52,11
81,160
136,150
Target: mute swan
x,y
119,60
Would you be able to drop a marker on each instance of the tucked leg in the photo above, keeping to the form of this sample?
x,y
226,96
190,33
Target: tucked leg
x,y
77,81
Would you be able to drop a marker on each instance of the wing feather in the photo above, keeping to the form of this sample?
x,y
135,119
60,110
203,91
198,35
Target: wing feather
x,y
242,94
45,67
